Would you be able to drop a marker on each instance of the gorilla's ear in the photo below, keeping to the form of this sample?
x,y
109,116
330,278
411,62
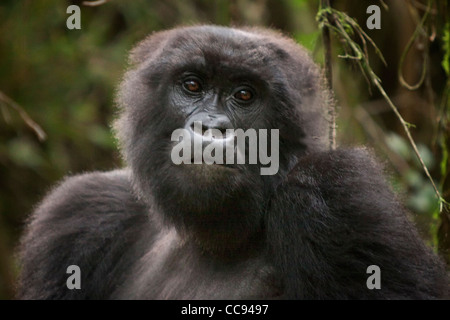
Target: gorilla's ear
x,y
149,47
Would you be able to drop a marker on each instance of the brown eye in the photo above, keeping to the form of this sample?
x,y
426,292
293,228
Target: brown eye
x,y
244,95
192,85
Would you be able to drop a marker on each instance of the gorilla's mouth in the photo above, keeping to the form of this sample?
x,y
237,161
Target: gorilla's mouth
x,y
224,165
236,146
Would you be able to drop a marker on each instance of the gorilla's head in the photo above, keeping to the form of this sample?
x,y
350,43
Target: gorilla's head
x,y
227,79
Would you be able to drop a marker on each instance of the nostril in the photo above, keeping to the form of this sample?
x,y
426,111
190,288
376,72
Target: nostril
x,y
221,127
198,124
223,131
221,123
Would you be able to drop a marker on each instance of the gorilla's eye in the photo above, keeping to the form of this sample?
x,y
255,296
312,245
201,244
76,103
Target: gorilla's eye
x,y
192,85
244,95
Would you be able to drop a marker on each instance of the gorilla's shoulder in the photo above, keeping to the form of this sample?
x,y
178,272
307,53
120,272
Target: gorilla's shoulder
x,y
96,196
343,177
87,220
338,166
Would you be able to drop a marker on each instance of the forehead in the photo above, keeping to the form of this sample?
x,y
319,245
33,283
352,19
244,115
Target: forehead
x,y
221,49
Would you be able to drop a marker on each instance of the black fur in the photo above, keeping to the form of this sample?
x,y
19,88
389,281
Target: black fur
x,y
160,231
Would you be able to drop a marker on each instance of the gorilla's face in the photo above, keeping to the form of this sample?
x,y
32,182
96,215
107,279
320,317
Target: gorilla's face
x,y
215,95
225,79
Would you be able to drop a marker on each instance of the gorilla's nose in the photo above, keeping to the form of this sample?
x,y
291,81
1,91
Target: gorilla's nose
x,y
206,121
211,130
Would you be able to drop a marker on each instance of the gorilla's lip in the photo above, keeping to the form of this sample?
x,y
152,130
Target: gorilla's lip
x,y
224,164
212,165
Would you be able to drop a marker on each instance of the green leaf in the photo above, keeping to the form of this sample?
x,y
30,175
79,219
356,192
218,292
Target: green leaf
x,y
446,49
24,153
308,40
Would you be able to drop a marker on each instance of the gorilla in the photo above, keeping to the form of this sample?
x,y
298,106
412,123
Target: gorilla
x,y
160,230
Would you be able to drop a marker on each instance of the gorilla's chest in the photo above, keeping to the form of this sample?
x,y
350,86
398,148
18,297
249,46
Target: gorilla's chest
x,y
173,270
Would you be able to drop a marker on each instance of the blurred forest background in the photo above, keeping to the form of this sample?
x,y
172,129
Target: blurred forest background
x,y
65,81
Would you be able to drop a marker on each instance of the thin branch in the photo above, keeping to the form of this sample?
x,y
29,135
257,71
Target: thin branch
x,y
420,6
325,4
419,31
408,133
336,24
94,3
7,101
385,6
375,132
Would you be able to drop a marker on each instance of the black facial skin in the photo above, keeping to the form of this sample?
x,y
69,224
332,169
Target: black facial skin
x,y
156,230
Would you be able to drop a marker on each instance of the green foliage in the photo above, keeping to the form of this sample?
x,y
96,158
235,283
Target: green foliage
x,y
446,48
25,153
421,196
308,40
